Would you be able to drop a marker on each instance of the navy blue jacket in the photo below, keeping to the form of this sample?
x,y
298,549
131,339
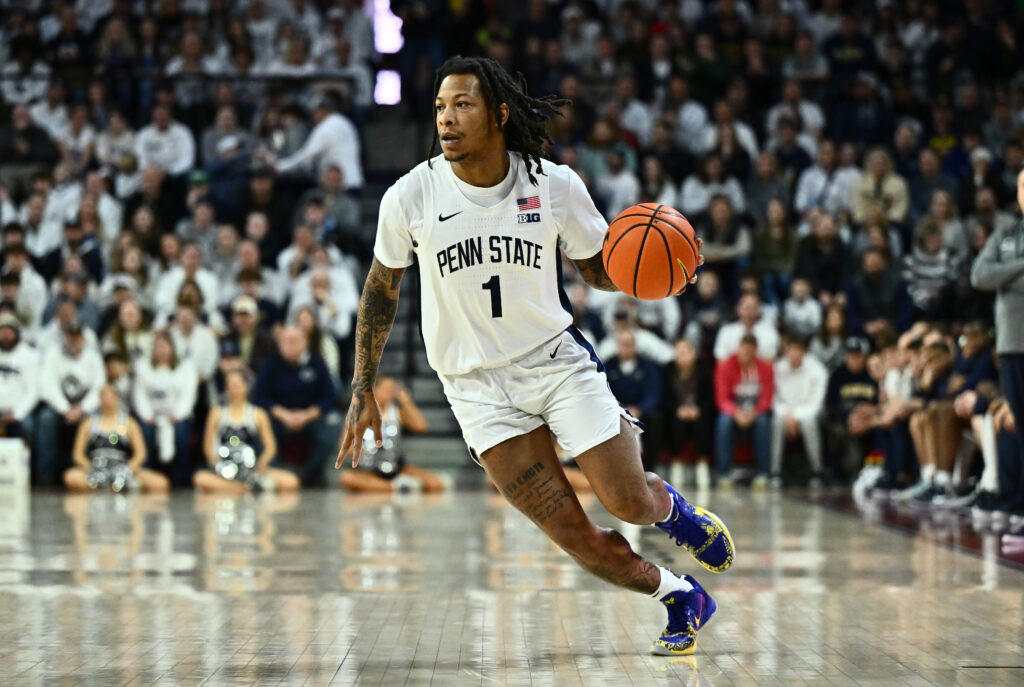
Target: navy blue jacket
x,y
641,388
295,387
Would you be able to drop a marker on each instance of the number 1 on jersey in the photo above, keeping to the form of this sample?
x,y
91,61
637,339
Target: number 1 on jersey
x,y
494,286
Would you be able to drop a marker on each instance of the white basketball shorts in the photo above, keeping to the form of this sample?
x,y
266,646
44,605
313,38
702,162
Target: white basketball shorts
x,y
560,384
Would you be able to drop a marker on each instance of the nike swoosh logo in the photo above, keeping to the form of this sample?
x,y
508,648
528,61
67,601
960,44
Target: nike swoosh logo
x,y
555,351
442,218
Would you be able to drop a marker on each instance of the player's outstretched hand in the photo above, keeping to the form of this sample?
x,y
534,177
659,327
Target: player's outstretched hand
x,y
700,261
363,412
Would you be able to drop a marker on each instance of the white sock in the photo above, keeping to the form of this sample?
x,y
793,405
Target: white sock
x,y
670,582
927,472
671,511
942,478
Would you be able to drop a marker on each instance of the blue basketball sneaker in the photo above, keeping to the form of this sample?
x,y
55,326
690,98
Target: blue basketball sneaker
x,y
700,532
687,613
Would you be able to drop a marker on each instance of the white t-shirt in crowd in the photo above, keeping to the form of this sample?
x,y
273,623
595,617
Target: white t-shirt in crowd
x,y
489,258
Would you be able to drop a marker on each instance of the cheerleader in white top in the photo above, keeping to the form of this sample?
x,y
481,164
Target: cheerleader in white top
x,y
239,445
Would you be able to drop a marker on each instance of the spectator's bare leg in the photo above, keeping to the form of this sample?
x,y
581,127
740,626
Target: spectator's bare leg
x,y
360,481
432,484
946,430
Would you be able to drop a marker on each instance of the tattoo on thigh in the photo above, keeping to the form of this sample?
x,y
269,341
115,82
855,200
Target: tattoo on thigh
x,y
538,496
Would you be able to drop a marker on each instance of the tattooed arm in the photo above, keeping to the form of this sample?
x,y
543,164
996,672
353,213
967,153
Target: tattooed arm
x,y
373,326
592,271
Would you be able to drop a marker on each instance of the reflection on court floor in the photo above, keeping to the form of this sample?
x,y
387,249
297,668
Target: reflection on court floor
x,y
330,588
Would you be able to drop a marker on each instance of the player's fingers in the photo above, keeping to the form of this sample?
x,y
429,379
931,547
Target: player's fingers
x,y
346,439
357,447
378,430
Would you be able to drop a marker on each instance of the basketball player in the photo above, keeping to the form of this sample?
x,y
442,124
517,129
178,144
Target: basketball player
x,y
486,220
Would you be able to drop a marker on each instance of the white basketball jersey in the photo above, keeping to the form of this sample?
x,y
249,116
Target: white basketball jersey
x,y
490,276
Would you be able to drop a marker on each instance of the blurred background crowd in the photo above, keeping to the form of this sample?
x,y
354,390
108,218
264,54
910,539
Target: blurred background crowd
x,y
182,182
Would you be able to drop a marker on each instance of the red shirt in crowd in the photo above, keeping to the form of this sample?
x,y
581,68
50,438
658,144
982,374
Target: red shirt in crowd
x,y
739,388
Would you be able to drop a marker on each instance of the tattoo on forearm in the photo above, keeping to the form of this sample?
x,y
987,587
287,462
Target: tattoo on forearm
x,y
373,324
592,271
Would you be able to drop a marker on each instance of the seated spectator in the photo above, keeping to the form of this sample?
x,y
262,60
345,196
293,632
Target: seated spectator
x,y
932,273
775,251
112,434
864,115
801,313
851,408
749,322
318,340
933,428
617,187
118,375
237,424
896,404
223,260
41,232
69,386
800,385
825,185
19,383
194,341
115,148
744,386
880,187
765,185
727,241
723,113
792,154
296,390
688,406
705,312
341,209
930,178
982,175
189,268
25,148
200,227
655,184
987,212
249,333
698,189
50,113
877,296
625,318
165,144
735,158
163,397
225,125
385,468
636,383
76,141
806,65
128,270
79,242
130,334
298,256
794,106
823,259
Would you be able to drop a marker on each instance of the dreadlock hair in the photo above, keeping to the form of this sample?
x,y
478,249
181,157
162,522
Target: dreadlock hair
x,y
525,131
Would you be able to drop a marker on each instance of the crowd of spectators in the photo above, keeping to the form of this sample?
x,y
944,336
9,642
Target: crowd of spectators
x,y
180,197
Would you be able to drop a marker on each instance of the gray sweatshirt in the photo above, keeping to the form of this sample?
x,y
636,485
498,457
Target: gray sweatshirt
x,y
999,267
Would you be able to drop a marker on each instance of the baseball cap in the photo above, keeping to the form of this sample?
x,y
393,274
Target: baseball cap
x,y
198,176
856,344
245,304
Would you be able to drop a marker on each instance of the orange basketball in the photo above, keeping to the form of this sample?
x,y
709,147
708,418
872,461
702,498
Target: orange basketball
x,y
650,251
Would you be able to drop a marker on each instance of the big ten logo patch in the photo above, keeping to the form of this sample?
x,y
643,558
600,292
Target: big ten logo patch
x,y
528,217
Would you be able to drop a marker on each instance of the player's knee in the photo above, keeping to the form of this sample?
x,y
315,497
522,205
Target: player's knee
x,y
155,483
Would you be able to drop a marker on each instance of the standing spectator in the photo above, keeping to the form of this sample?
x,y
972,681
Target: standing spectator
x,y
25,149
295,388
163,395
51,114
744,385
689,406
25,78
880,187
19,380
333,140
800,385
224,126
998,268
69,387
850,404
165,144
932,273
194,341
